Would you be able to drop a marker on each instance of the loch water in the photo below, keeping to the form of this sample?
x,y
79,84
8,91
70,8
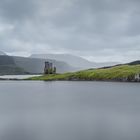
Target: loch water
x,y
37,110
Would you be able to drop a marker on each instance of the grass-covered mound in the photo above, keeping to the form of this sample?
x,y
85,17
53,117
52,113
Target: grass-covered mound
x,y
116,73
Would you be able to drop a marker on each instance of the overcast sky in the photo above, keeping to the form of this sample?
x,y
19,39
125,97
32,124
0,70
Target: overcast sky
x,y
99,30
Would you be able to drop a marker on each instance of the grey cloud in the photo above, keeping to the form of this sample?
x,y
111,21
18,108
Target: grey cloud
x,y
15,10
90,28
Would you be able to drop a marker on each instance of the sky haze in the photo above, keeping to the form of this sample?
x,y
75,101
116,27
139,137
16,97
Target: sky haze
x,y
98,30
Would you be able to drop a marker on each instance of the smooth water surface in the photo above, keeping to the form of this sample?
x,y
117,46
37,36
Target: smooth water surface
x,y
17,76
69,110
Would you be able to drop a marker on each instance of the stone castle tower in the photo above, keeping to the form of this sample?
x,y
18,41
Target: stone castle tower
x,y
49,69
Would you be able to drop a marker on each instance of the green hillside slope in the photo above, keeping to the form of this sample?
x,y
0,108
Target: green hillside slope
x,y
11,70
24,65
8,66
36,65
116,73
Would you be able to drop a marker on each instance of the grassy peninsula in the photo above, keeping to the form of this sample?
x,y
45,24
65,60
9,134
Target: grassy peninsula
x,y
115,73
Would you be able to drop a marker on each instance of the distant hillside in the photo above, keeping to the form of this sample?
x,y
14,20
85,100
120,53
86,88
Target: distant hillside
x,y
73,60
8,66
11,70
2,53
23,65
6,60
116,73
35,65
134,63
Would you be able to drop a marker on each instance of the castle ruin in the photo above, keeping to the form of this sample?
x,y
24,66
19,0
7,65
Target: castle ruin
x,y
49,69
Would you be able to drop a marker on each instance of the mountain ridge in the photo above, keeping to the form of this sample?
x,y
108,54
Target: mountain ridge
x,y
2,53
10,64
75,61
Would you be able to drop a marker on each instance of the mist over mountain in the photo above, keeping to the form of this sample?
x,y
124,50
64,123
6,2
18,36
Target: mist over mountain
x,y
2,53
36,65
75,61
25,65
68,58
8,66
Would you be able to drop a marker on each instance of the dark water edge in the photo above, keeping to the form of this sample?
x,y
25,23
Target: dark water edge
x,y
71,80
63,110
29,77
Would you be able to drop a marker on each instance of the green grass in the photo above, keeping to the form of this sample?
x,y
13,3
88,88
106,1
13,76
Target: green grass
x,y
114,73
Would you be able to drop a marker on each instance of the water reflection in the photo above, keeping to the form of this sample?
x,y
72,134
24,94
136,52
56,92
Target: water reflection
x,y
69,111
